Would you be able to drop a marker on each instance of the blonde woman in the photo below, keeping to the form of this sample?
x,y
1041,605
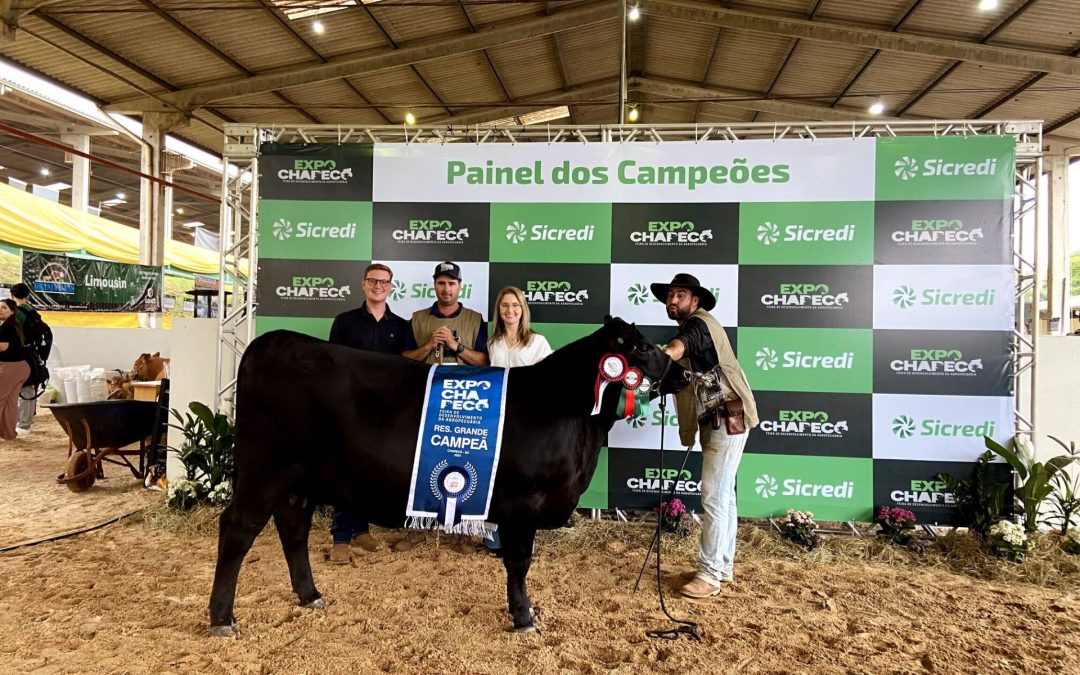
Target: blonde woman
x,y
513,343
13,369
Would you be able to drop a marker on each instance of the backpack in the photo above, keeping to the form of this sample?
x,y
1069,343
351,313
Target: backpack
x,y
38,340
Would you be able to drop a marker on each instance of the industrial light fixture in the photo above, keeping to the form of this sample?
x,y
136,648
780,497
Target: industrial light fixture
x,y
876,108
121,195
180,211
633,114
44,171
634,14
318,27
987,5
410,118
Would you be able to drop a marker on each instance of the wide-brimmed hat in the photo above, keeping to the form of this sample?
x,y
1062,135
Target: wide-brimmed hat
x,y
706,299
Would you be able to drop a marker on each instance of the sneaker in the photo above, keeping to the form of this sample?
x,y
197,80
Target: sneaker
x,y
366,542
409,542
20,432
699,589
340,554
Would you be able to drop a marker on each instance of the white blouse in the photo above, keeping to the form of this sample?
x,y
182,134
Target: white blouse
x,y
510,357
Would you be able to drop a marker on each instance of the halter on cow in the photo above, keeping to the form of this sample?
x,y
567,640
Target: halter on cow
x,y
320,423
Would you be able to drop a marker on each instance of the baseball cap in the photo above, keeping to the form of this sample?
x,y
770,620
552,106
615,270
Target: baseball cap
x,y
448,268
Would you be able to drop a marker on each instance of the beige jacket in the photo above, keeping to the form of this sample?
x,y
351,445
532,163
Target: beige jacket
x,y
686,400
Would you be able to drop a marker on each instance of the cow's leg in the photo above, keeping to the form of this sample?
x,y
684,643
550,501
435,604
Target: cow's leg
x,y
293,521
236,533
517,557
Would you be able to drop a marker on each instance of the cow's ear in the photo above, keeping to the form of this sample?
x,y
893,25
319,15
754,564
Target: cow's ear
x,y
156,355
607,319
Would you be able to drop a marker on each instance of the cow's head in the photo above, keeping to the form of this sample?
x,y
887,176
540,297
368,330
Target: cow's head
x,y
624,338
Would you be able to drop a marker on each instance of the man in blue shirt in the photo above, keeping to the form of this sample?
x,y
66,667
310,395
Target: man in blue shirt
x,y
371,326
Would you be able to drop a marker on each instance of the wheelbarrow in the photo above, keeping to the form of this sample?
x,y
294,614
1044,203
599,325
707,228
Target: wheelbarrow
x,y
102,431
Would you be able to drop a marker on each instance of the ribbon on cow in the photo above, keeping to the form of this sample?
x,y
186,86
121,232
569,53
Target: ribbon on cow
x,y
457,450
634,397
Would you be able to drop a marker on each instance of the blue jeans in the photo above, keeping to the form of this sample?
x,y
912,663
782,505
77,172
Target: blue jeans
x,y
720,456
493,544
344,526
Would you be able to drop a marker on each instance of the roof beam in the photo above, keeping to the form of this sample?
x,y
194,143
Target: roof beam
x,y
54,126
514,108
747,100
872,38
194,97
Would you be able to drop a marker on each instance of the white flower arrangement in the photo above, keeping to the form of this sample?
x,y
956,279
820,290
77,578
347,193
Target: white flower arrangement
x,y
182,494
1009,540
221,494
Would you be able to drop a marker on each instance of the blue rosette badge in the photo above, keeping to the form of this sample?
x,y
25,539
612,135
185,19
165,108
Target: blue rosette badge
x,y
452,486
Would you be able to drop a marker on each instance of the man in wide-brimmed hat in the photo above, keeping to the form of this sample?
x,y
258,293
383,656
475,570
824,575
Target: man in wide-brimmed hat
x,y
703,342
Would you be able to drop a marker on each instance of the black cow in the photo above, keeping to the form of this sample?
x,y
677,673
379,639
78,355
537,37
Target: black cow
x,y
320,423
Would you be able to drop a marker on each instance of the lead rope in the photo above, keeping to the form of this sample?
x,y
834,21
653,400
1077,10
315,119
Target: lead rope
x,y
685,627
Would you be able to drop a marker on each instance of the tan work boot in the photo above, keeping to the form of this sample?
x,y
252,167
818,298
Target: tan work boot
x,y
409,542
340,554
366,542
699,589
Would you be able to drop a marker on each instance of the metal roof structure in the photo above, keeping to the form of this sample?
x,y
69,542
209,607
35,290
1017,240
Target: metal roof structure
x,y
467,62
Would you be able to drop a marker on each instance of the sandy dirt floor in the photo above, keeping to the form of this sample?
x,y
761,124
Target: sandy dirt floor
x,y
131,599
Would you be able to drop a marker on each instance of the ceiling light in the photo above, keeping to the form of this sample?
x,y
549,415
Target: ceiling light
x,y
44,171
634,14
410,118
318,27
180,211
633,115
987,5
58,186
194,223
121,195
876,108
111,202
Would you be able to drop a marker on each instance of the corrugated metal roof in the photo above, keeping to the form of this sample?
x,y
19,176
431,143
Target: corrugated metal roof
x,y
591,53
528,67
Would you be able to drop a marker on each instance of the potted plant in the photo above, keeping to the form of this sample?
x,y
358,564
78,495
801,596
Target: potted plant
x,y
207,455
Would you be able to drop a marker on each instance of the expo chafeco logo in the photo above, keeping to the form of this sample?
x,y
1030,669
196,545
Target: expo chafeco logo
x,y
638,294
906,168
282,229
768,233
903,426
766,358
397,290
765,486
903,297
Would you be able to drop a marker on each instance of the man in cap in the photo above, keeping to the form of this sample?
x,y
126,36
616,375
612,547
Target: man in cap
x,y
448,333
702,341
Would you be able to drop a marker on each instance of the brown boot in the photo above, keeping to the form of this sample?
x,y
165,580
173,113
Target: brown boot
x,y
409,542
366,542
340,554
699,589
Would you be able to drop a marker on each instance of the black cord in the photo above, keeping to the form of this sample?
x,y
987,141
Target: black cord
x,y
685,627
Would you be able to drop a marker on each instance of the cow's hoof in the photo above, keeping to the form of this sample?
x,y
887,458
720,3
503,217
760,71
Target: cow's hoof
x,y
531,628
317,603
223,631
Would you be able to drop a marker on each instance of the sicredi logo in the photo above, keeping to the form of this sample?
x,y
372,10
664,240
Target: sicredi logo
x,y
655,419
768,358
428,231
938,231
655,479
313,288
315,171
804,295
923,493
905,427
518,232
943,361
284,229
397,290
425,291
908,168
671,233
770,233
905,297
554,293
809,423
767,486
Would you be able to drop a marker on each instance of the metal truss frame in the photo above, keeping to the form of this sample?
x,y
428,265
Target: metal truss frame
x,y
239,231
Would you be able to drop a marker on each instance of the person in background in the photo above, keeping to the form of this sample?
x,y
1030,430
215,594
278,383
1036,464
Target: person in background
x,y
513,343
13,368
371,326
20,292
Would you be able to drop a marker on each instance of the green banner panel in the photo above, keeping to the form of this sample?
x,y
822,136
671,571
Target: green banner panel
x,y
314,327
806,233
314,230
565,233
596,495
949,167
833,488
808,359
